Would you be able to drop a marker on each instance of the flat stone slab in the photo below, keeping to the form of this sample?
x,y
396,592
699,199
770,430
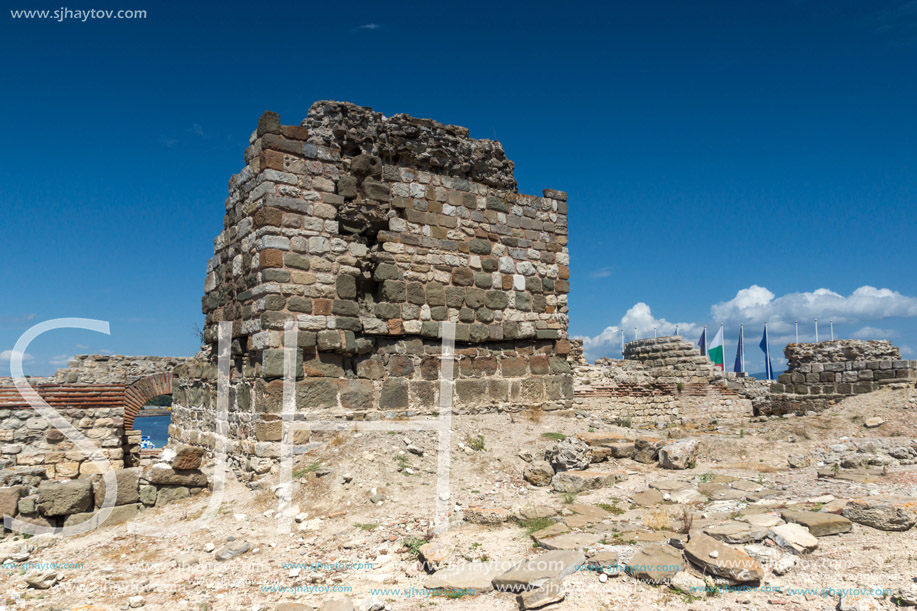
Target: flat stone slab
x,y
536,571
589,511
734,531
647,498
669,485
536,512
850,475
569,541
551,531
719,559
819,524
747,486
794,536
472,578
688,495
550,593
762,520
656,563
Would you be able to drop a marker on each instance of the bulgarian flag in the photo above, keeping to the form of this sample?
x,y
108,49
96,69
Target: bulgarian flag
x,y
715,350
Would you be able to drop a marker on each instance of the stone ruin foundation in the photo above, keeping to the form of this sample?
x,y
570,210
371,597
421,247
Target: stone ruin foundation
x,y
819,375
369,232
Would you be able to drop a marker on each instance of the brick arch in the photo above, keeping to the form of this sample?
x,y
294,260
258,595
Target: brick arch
x,y
137,394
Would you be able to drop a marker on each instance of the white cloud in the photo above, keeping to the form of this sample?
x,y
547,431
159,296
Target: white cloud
x,y
7,355
59,360
756,305
868,332
81,347
602,272
608,342
369,26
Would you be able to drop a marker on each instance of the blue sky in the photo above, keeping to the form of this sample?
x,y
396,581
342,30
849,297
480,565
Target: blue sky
x,y
725,162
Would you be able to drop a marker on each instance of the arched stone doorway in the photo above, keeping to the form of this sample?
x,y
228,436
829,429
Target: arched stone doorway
x,y
135,397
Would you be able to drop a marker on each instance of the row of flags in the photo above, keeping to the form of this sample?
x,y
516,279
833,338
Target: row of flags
x,y
716,348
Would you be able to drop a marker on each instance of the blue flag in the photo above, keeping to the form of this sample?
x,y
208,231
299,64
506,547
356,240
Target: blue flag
x,y
702,343
769,368
740,354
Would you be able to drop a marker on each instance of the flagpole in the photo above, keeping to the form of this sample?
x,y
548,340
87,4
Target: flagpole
x,y
797,331
622,343
831,322
767,352
816,330
723,333
742,344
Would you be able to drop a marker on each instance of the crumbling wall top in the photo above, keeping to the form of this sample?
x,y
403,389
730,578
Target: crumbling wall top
x,y
407,141
840,351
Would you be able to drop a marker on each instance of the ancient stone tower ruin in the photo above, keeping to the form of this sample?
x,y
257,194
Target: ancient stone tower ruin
x,y
370,232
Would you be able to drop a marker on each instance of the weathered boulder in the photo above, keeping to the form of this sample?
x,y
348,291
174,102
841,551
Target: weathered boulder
x,y
42,580
577,481
538,473
681,454
820,524
569,454
434,555
646,449
719,559
64,498
231,550
537,571
656,563
882,513
338,604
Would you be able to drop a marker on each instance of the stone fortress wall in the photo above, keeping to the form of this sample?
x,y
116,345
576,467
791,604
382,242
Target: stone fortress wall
x,y
369,232
819,375
666,380
115,368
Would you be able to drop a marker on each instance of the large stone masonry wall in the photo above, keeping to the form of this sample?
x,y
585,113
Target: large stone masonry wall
x,y
115,368
819,375
369,232
663,381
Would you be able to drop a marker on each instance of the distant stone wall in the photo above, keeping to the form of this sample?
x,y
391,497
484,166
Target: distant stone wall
x,y
841,351
821,374
664,381
115,368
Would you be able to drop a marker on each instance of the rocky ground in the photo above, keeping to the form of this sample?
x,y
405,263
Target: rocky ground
x,y
737,529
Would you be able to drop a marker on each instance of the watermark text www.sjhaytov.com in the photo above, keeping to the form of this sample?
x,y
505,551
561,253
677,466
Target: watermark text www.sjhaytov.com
x,y
67,14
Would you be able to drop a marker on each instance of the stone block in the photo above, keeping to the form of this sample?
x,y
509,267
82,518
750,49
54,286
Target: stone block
x,y
63,498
